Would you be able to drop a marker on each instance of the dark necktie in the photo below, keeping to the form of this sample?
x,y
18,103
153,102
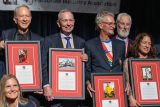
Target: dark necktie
x,y
68,44
21,37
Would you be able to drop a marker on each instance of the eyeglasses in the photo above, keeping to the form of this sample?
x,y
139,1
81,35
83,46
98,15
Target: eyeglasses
x,y
109,23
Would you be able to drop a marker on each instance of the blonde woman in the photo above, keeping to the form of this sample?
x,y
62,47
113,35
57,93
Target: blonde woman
x,y
10,93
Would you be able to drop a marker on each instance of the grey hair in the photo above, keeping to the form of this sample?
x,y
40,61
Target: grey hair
x,y
23,5
63,11
123,14
100,17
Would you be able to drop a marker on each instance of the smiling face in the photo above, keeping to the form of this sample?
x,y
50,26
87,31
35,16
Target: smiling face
x,y
107,26
66,22
11,89
123,26
145,45
23,18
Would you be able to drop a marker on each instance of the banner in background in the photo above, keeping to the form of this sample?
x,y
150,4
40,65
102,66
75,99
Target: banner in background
x,y
80,6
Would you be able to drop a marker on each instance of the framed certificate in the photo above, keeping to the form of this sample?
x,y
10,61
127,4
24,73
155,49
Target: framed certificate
x,y
145,79
109,90
23,60
67,73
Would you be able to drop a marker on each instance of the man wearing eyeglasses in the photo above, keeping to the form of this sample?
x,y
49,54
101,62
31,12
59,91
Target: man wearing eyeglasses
x,y
64,39
105,54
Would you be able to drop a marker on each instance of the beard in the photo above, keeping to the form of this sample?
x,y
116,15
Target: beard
x,y
123,34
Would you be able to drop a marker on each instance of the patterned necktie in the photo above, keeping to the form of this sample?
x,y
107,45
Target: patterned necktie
x,y
21,37
68,44
108,54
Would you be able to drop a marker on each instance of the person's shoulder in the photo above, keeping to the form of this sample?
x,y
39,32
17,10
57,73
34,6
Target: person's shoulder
x,y
52,36
29,104
157,48
9,30
35,34
92,40
118,44
77,36
157,45
117,40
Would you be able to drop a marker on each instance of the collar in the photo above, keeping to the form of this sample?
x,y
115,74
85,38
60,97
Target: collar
x,y
26,34
19,36
122,39
107,41
63,36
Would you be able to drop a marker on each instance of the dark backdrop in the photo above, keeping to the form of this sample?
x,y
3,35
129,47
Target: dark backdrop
x,y
145,14
44,23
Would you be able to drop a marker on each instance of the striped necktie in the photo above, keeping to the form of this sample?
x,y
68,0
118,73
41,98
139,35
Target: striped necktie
x,y
108,54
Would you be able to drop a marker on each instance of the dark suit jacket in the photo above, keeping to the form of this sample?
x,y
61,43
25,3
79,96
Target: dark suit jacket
x,y
2,69
10,35
129,50
54,41
97,60
29,104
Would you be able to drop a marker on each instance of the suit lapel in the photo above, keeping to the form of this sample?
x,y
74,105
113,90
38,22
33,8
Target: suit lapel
x,y
59,41
101,51
75,42
32,37
11,35
113,50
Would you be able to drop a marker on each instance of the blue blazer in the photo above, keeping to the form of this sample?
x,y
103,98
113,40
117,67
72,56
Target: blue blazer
x,y
54,41
29,104
97,60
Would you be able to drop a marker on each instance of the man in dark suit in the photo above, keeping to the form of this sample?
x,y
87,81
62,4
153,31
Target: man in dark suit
x,y
65,23
124,22
105,54
22,18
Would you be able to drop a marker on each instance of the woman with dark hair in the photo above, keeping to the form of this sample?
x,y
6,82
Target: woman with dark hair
x,y
10,93
142,48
